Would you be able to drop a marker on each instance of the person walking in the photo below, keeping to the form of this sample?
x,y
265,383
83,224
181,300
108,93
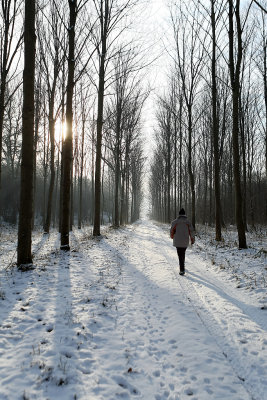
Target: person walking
x,y
181,230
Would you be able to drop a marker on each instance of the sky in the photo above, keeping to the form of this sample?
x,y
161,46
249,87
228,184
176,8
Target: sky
x,y
154,30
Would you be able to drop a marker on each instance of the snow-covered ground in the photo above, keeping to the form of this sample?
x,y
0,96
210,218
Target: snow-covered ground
x,y
114,320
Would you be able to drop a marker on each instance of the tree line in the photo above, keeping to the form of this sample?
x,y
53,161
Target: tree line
x,y
211,135
71,101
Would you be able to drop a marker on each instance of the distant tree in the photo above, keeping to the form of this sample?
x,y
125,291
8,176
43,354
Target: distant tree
x,y
9,55
189,63
84,114
51,48
261,63
215,125
165,136
24,254
122,124
110,15
235,69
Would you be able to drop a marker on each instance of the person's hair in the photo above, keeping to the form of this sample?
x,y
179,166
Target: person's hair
x,y
182,211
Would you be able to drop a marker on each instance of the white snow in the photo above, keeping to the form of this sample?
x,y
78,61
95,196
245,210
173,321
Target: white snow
x,y
114,320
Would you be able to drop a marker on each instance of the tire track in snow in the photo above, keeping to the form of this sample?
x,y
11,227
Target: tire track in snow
x,y
215,331
155,252
229,346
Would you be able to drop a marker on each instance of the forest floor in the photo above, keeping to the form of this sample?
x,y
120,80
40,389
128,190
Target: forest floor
x,y
113,319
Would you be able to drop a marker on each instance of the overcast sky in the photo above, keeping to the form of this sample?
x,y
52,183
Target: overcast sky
x,y
155,29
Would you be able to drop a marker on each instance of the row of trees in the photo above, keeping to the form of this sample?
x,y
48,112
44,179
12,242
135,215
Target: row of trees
x,y
211,152
70,126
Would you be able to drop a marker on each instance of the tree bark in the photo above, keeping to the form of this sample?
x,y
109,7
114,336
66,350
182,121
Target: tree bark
x,y
215,129
265,102
81,176
190,168
235,84
67,144
52,164
100,107
117,165
52,141
24,253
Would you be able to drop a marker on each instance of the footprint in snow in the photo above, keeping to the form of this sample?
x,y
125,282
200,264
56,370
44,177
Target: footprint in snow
x,y
254,353
122,382
49,328
189,392
208,390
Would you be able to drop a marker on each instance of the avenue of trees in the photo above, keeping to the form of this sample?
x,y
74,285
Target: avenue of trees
x,y
73,83
211,135
71,100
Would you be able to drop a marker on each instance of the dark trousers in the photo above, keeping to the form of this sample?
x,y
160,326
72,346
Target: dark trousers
x,y
181,256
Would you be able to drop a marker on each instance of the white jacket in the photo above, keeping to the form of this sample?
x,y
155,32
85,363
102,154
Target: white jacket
x,y
181,230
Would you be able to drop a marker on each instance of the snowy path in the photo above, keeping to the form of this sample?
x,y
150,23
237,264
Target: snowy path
x,y
114,320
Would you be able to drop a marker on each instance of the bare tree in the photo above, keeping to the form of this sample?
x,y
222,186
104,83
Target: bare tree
x,y
189,61
123,116
235,69
215,125
82,159
10,45
261,63
24,254
110,15
51,54
67,144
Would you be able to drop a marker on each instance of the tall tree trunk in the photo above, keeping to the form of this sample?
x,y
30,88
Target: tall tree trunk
x,y
244,164
169,174
67,144
55,211
52,143
72,188
45,168
122,202
180,197
215,129
101,91
2,110
117,166
190,168
265,101
102,188
61,150
205,194
24,254
81,178
52,172
235,84
93,174
36,132
100,106
175,169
